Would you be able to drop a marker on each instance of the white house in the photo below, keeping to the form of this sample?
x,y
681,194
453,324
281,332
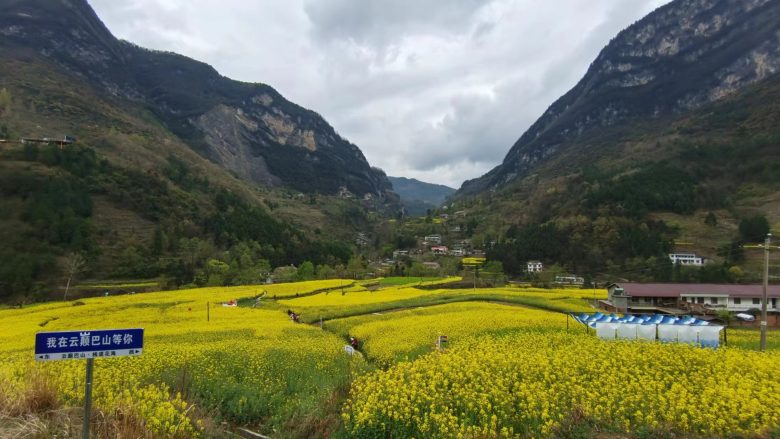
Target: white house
x,y
569,279
686,259
534,266
432,239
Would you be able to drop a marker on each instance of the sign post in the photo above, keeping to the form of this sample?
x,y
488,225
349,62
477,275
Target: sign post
x,y
88,345
87,399
441,342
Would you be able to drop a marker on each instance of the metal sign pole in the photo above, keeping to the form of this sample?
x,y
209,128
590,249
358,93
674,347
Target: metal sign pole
x,y
87,399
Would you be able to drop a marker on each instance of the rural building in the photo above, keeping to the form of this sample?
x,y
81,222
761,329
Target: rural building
x,y
400,253
439,249
458,252
534,266
569,279
432,239
703,299
686,259
361,240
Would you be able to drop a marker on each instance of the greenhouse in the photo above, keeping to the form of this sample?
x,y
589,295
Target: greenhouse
x,y
659,327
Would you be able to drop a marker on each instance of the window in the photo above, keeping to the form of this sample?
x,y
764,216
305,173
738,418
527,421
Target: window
x,y
700,300
756,301
737,301
714,300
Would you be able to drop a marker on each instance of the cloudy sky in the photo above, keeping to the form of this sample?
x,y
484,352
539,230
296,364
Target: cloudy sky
x,y
437,90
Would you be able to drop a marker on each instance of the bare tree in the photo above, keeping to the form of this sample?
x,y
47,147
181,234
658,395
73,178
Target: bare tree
x,y
75,264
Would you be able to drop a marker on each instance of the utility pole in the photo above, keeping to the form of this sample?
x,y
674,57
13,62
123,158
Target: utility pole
x,y
766,287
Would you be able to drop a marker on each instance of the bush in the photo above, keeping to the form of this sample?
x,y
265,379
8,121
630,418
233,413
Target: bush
x,y
754,229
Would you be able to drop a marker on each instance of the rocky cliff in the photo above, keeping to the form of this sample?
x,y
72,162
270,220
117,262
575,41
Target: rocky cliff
x,y
678,58
249,129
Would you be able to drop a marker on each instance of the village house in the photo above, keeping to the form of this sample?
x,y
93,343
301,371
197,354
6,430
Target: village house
x,y
431,265
432,239
569,279
686,259
361,240
534,266
439,250
703,299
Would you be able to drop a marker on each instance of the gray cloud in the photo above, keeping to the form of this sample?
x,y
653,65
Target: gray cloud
x,y
432,89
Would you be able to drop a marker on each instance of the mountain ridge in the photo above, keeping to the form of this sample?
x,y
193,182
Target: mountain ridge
x,y
272,141
419,196
681,56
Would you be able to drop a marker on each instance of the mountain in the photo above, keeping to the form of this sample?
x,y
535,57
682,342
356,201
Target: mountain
x,y
249,129
177,173
682,56
670,142
418,196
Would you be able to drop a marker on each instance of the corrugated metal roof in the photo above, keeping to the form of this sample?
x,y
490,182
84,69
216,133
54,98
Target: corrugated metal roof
x,y
676,290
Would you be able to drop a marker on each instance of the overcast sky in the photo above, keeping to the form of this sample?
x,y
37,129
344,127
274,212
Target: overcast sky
x,y
437,90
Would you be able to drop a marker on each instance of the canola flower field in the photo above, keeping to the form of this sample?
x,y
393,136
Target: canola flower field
x,y
510,368
358,300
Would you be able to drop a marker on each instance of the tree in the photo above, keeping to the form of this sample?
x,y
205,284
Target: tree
x,y
356,267
724,315
736,274
732,253
493,270
75,264
325,271
754,229
216,270
306,271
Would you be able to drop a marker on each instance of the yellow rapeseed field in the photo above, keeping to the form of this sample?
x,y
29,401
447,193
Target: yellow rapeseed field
x,y
249,364
395,335
509,370
541,384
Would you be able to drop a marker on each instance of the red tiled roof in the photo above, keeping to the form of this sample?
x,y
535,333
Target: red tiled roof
x,y
676,290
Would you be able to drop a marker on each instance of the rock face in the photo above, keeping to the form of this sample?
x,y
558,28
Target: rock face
x,y
250,129
682,56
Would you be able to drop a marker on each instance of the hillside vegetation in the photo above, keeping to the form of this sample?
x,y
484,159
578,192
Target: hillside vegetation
x,y
624,197
133,202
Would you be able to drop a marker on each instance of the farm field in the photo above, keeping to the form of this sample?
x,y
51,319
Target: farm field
x,y
510,368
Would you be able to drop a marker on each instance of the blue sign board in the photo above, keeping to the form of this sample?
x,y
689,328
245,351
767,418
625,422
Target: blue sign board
x,y
68,345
